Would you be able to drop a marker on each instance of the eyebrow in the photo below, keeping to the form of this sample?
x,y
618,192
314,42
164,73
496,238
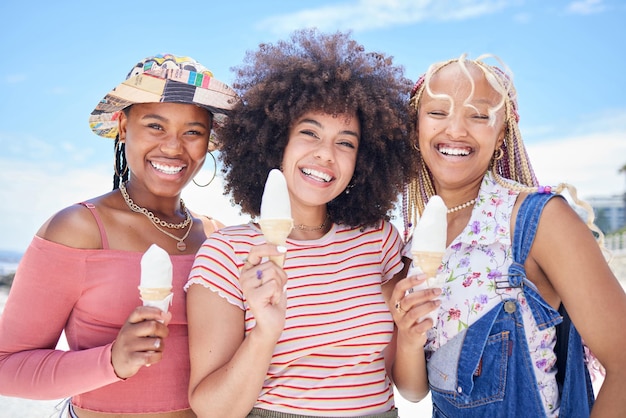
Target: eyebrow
x,y
319,125
164,119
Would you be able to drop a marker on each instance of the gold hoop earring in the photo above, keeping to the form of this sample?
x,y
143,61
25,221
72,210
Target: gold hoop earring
x,y
498,156
214,172
417,148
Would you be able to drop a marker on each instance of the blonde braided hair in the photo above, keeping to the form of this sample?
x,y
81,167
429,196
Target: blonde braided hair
x,y
513,170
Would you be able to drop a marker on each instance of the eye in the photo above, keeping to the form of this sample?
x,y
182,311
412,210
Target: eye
x,y
155,126
437,113
346,143
194,133
309,133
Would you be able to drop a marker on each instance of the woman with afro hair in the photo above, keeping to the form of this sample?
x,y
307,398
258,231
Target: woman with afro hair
x,y
309,337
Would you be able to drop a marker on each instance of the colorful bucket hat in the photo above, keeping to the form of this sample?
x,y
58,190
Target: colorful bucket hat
x,y
163,78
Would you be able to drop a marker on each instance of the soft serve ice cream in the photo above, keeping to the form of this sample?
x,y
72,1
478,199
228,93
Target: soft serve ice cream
x,y
276,222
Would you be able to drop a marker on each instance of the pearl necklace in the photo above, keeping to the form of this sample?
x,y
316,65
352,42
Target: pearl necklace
x,y
463,206
307,228
180,245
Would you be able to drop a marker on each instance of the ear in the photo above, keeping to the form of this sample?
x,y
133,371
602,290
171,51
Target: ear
x,y
500,137
122,121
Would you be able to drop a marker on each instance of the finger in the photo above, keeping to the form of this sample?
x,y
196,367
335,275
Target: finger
x,y
147,313
149,358
259,252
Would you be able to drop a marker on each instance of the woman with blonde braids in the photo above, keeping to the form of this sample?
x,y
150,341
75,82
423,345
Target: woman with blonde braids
x,y
515,254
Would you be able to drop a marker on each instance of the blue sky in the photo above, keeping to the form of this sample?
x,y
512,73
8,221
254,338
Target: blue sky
x,y
60,58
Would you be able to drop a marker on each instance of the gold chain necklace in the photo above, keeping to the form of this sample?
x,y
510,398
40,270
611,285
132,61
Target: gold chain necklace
x,y
463,206
180,245
307,228
136,208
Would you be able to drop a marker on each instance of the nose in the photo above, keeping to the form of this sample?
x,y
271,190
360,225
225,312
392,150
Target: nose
x,y
456,126
171,144
324,151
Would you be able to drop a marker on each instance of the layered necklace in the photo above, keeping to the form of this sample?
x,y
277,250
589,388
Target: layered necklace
x,y
158,223
463,206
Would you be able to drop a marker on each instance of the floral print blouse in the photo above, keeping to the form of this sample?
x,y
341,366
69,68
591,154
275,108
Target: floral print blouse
x,y
475,261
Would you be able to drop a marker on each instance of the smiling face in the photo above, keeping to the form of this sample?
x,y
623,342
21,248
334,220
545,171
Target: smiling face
x,y
459,130
320,157
166,144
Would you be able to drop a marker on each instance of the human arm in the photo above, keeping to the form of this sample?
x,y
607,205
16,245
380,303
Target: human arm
x,y
228,368
40,302
50,282
567,265
409,366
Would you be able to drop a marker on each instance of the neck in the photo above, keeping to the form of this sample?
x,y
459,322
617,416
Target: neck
x,y
166,206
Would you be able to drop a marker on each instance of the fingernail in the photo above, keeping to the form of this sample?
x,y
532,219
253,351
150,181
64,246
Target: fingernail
x,y
148,364
281,249
157,343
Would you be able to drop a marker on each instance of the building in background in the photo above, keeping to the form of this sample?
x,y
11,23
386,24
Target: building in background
x,y
610,212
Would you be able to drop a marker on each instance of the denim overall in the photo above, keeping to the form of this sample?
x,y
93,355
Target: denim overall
x,y
487,371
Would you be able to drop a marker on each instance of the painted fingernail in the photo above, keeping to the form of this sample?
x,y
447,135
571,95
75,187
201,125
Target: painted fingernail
x,y
259,274
281,249
157,343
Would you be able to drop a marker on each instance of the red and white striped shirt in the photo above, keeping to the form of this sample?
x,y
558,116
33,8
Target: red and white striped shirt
x,y
329,359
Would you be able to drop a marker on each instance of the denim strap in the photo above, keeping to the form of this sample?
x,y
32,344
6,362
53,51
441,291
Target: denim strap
x,y
523,238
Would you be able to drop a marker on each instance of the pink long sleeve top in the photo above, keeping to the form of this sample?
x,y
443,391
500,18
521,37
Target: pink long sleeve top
x,y
90,294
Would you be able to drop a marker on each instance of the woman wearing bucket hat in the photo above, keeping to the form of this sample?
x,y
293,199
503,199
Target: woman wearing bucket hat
x,y
81,271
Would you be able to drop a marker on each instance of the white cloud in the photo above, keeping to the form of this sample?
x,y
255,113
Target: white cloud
x,y
586,7
589,162
32,192
362,15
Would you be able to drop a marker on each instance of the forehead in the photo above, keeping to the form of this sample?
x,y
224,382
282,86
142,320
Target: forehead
x,y
340,120
170,109
458,81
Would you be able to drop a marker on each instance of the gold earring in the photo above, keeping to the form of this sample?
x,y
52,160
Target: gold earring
x,y
212,177
498,156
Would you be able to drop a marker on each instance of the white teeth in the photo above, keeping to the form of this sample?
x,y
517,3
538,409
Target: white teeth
x,y
453,151
167,169
318,174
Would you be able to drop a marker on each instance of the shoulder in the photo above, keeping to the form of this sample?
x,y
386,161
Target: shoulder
x,y
209,223
73,226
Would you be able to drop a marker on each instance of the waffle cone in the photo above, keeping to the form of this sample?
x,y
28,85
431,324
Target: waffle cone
x,y
276,232
428,261
154,293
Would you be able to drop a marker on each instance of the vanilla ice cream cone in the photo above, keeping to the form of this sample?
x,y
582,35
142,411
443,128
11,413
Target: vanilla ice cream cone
x,y
276,222
155,288
276,232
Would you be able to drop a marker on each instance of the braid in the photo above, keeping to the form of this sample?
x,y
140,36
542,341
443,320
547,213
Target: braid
x,y
120,165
